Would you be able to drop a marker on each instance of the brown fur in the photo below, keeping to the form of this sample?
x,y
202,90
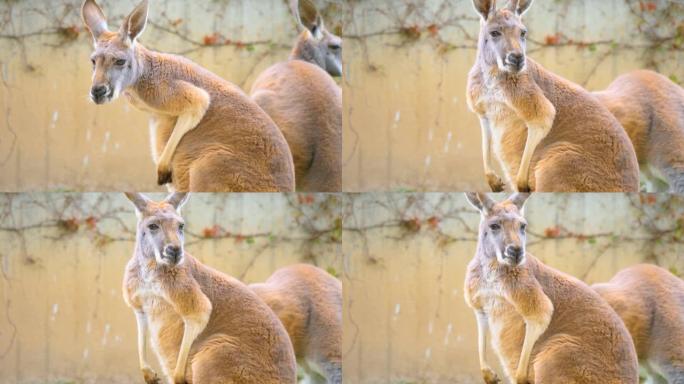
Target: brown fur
x,y
240,339
225,142
650,301
581,146
650,107
308,301
306,104
578,337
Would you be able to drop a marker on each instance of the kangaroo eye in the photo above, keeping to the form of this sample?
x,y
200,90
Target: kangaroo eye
x,y
523,227
523,34
153,227
181,226
334,47
494,227
495,34
120,62
93,61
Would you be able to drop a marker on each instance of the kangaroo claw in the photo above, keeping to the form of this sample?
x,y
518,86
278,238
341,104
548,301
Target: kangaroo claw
x,y
164,177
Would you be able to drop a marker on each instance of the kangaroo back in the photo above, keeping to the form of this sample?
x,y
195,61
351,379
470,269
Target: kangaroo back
x,y
306,104
308,301
650,107
650,301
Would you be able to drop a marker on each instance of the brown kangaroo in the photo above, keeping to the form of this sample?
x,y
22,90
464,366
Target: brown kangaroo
x,y
650,300
207,134
650,107
306,103
546,326
206,327
549,134
308,301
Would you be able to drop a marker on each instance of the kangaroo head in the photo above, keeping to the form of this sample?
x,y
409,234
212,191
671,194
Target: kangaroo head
x,y
116,64
503,35
315,43
502,227
160,227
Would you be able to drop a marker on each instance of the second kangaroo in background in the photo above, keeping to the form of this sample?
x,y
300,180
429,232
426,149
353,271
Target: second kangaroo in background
x,y
549,134
306,103
546,326
308,301
650,300
208,135
650,108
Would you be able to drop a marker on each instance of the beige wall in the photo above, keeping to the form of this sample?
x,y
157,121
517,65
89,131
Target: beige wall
x,y
407,126
62,316
405,317
53,138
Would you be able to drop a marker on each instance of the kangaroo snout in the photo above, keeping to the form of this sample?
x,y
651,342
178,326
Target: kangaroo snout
x,y
516,61
173,254
515,253
100,93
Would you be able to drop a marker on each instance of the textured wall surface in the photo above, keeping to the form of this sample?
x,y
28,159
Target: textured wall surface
x,y
407,126
405,317
62,315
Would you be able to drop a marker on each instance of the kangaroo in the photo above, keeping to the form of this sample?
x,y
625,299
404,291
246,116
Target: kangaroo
x,y
650,107
546,326
549,134
650,300
308,302
306,103
206,327
206,135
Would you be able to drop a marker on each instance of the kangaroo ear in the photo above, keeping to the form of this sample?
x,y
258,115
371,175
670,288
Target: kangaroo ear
x,y
135,23
139,200
480,201
485,7
519,7
93,18
519,200
307,16
178,199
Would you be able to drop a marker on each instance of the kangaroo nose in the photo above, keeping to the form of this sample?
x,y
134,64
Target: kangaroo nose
x,y
514,251
99,91
173,252
516,59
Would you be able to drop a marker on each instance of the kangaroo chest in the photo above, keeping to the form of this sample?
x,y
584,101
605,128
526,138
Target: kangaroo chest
x,y
506,326
508,130
164,324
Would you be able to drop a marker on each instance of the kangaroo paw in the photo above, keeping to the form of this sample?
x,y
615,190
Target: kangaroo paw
x,y
495,183
164,176
150,376
524,187
490,377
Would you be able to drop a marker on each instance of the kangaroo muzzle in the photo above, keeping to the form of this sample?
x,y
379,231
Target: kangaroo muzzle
x,y
514,253
172,254
101,93
515,61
